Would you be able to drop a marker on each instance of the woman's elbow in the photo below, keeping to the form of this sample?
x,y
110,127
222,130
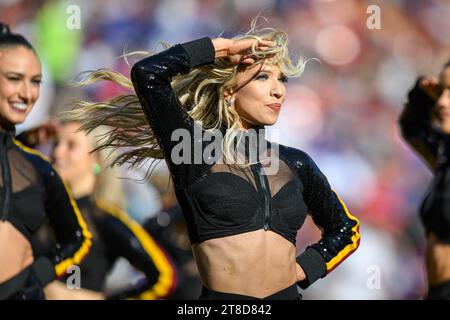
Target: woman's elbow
x,y
138,71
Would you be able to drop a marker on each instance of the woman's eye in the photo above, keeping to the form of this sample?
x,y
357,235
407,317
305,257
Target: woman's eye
x,y
283,79
262,77
37,81
13,79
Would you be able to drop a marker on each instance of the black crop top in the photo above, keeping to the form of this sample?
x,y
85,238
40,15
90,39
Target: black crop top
x,y
434,146
218,200
32,191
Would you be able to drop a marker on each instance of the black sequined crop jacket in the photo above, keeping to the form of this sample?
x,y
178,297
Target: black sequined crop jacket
x,y
218,201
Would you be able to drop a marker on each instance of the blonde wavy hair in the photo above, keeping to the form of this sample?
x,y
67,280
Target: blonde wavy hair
x,y
201,93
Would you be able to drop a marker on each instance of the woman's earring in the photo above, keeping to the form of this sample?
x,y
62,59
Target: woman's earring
x,y
230,102
96,169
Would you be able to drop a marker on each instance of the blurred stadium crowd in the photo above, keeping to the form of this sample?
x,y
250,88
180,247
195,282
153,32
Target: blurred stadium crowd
x,y
343,111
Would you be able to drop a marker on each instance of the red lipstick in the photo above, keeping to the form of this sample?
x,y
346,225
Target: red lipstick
x,y
275,106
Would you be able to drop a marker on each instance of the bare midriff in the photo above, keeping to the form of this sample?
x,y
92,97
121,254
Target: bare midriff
x,y
15,251
437,261
257,263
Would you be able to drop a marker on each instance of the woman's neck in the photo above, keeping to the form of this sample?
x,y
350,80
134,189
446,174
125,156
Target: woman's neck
x,y
246,126
445,126
6,127
83,186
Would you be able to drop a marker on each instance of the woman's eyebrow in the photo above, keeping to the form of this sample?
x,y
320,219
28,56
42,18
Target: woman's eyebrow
x,y
14,73
270,72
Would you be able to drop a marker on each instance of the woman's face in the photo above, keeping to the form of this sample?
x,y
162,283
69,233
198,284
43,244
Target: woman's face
x,y
260,94
72,155
443,101
20,78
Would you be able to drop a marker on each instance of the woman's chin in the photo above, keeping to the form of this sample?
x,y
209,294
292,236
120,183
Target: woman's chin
x,y
16,119
271,122
446,129
445,124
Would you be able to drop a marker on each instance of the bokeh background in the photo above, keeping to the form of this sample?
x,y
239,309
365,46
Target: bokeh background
x,y
343,111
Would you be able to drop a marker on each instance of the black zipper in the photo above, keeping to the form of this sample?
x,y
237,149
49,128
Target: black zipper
x,y
6,176
264,189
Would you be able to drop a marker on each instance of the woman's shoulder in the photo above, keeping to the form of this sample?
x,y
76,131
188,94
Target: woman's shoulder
x,y
304,165
114,220
37,159
295,156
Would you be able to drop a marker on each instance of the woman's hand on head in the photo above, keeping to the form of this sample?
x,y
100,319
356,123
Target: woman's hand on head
x,y
430,85
237,51
40,135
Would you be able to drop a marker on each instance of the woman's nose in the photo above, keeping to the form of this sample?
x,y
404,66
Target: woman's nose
x,y
277,91
58,152
277,94
444,99
25,92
